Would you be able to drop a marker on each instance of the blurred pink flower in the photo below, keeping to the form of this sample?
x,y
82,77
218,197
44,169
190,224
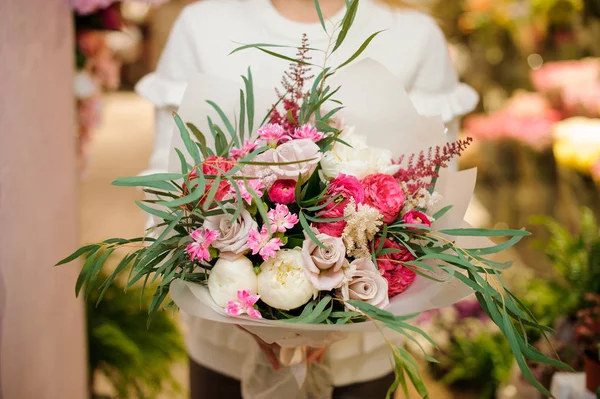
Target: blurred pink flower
x,y
246,149
244,305
558,75
308,132
84,7
272,134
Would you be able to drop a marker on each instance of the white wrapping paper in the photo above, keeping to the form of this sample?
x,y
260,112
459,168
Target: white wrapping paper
x,y
378,107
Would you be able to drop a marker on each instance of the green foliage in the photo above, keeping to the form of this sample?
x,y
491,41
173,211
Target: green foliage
x,y
475,361
137,361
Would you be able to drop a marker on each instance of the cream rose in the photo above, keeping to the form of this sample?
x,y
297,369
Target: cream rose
x,y
365,283
292,151
229,276
282,282
233,236
324,266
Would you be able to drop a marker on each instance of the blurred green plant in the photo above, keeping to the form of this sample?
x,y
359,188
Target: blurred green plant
x,y
135,359
576,262
475,361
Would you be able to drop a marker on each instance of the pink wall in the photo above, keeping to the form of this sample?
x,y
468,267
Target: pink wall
x,y
42,340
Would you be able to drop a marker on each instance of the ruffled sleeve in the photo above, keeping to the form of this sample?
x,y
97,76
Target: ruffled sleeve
x,y
436,90
178,62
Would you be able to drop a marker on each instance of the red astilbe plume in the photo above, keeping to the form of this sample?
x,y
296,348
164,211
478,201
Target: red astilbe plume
x,y
419,170
293,83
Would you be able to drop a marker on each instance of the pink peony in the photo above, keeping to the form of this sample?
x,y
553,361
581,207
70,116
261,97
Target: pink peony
x,y
308,132
399,280
383,193
392,261
272,134
416,217
346,187
283,191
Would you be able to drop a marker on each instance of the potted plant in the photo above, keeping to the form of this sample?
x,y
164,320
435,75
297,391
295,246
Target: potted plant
x,y
588,334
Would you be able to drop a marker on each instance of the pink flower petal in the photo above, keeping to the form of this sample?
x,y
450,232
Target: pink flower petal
x,y
233,309
255,314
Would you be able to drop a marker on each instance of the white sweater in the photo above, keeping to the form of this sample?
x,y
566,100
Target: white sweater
x,y
412,47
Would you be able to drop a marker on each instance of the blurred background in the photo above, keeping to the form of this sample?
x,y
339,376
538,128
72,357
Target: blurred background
x,y
536,64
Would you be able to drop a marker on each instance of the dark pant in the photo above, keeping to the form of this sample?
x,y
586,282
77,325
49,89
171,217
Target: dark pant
x,y
208,384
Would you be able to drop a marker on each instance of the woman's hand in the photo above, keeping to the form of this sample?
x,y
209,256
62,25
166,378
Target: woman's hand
x,y
271,351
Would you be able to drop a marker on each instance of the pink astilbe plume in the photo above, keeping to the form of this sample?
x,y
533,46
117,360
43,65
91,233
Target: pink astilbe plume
x,y
293,84
418,170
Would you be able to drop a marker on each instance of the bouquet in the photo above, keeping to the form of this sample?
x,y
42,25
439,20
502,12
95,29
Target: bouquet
x,y
295,228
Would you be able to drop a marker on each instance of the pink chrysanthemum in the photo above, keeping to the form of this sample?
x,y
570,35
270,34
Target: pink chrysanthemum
x,y
308,132
273,134
261,243
244,305
281,218
198,249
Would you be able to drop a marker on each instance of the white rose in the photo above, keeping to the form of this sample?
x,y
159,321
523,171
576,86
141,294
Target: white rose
x,y
282,282
228,277
365,283
233,236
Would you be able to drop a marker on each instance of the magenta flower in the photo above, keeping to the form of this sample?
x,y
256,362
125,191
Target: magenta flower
x,y
255,185
262,243
244,305
246,149
198,249
281,218
273,134
416,217
308,132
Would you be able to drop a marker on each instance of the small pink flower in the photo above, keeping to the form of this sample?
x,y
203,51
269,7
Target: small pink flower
x,y
281,219
202,240
262,243
247,148
308,132
255,185
273,134
283,191
416,217
244,304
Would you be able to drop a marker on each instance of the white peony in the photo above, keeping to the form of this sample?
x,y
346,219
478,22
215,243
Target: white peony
x,y
282,282
358,160
229,276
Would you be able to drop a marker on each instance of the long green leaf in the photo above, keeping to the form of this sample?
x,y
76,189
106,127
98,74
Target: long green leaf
x,y
360,50
226,122
346,24
77,254
187,141
242,122
309,231
476,232
201,139
142,180
320,14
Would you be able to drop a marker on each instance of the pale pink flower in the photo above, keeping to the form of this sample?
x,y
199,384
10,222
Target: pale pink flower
x,y
198,249
244,305
261,243
273,134
308,132
255,185
281,218
246,149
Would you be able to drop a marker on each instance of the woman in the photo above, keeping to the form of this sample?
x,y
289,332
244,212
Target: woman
x,y
413,48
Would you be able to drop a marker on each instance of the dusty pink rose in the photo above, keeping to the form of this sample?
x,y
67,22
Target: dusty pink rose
x,y
393,260
283,191
399,280
324,266
416,217
383,193
364,283
292,152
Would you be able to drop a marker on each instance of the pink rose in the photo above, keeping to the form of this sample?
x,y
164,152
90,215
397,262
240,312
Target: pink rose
x,y
383,193
399,280
293,151
283,191
346,187
393,260
324,266
416,217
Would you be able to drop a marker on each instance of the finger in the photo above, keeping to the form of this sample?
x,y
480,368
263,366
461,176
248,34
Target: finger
x,y
316,355
271,356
